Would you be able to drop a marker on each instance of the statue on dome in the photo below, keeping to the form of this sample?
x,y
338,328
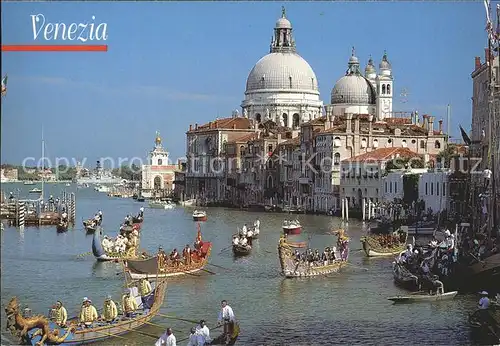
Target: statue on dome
x,y
245,113
280,121
158,138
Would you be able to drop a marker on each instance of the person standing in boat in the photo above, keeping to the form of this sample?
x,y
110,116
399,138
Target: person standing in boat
x,y
145,290
11,197
51,203
59,314
227,318
244,230
167,339
141,213
109,310
202,333
186,254
129,304
99,213
256,224
193,338
88,314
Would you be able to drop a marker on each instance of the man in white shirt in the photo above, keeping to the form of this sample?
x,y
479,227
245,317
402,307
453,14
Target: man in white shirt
x,y
167,339
487,177
226,316
484,302
244,230
236,241
256,224
203,334
243,241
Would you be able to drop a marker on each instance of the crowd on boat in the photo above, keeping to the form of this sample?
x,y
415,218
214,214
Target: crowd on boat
x,y
390,240
111,313
122,243
96,220
175,258
291,223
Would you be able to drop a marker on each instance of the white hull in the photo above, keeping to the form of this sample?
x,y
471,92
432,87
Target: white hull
x,y
105,258
162,205
417,298
188,202
137,276
372,253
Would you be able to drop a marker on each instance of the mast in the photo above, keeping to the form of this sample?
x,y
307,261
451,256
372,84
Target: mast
x,y
448,120
43,166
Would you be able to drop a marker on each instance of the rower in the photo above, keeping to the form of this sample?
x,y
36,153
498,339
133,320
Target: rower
x,y
59,314
256,224
11,197
186,253
244,230
99,214
174,256
226,317
324,256
96,219
167,339
109,310
193,338
145,290
88,314
297,255
127,220
162,258
484,302
64,217
198,242
141,212
249,233
243,241
203,333
129,304
236,240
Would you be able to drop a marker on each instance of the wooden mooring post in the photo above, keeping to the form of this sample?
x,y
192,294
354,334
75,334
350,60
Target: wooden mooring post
x,y
72,208
21,208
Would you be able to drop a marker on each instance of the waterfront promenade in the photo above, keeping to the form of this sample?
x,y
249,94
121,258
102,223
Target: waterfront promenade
x,y
40,266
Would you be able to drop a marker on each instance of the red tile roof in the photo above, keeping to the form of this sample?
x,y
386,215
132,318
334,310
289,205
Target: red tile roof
x,y
383,154
238,123
244,138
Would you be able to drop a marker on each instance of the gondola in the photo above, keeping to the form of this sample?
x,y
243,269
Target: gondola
x,y
376,245
158,265
485,325
242,250
102,256
419,297
75,335
404,278
62,226
222,339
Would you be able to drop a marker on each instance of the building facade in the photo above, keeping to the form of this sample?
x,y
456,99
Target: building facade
x,y
157,177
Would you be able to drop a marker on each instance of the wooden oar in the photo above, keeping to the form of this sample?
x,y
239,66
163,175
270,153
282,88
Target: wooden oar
x,y
226,248
217,266
84,254
109,334
208,271
154,324
355,266
177,318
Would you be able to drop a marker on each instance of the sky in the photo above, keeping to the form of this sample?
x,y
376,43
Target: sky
x,y
172,64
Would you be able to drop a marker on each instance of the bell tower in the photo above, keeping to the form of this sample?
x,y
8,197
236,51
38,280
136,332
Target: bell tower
x,y
283,40
385,89
158,156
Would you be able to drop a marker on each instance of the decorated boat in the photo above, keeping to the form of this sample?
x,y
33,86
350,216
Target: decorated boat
x,y
199,215
292,227
242,250
102,254
224,339
297,244
62,226
418,297
40,330
292,268
161,263
379,245
91,225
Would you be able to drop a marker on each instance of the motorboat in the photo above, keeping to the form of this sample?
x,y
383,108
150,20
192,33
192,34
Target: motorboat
x,y
29,182
199,215
36,190
158,204
418,297
101,188
188,202
292,227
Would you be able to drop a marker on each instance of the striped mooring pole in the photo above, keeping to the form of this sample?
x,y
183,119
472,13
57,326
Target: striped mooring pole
x,y
22,211
73,207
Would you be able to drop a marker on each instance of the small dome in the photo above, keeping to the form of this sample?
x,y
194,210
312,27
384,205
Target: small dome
x,y
283,71
353,89
353,60
385,64
283,23
369,69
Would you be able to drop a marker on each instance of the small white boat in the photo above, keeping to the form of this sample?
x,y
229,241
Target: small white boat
x,y
68,184
36,190
101,188
29,182
199,215
419,297
188,202
161,204
292,227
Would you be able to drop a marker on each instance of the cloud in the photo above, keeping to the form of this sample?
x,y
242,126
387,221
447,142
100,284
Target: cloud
x,y
141,90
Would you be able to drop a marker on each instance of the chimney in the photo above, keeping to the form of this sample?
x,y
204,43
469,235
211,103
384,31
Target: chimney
x,y
190,127
431,125
441,126
234,126
196,126
424,123
416,118
477,63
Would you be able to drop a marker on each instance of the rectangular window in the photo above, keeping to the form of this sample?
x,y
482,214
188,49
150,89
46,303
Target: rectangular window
x,y
386,187
390,187
426,190
395,187
444,189
437,189
432,189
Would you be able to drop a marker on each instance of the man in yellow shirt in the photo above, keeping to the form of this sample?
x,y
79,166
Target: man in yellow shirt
x,y
109,310
129,304
88,315
59,314
145,290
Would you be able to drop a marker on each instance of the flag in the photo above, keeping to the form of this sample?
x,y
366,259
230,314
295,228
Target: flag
x,y
4,85
465,137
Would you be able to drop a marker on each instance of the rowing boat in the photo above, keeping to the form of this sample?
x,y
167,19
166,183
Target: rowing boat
x,y
418,297
242,250
62,226
161,267
377,245
76,335
102,256
403,277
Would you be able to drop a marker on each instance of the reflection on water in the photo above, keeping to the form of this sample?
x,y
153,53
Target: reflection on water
x,y
41,266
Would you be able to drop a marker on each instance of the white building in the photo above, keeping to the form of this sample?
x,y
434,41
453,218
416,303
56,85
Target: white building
x,y
158,175
282,86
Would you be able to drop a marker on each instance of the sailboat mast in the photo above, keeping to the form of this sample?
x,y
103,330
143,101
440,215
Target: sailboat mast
x,y
43,166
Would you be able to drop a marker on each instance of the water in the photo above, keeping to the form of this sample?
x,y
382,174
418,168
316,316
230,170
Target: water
x,y
40,266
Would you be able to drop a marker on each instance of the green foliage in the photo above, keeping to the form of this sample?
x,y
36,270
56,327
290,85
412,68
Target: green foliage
x,y
410,188
446,155
64,172
23,175
132,172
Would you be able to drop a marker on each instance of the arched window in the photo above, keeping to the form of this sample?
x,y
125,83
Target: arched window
x,y
337,142
375,143
336,159
258,117
437,145
290,79
157,183
363,143
285,119
422,144
388,89
296,120
383,89
270,148
403,143
242,150
159,162
270,184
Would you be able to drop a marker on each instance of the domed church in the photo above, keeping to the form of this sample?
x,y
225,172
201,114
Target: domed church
x,y
370,93
282,86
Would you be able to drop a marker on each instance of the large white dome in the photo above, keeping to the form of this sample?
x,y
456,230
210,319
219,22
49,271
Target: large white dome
x,y
282,71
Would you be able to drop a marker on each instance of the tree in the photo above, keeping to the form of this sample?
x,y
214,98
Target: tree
x,y
129,173
445,155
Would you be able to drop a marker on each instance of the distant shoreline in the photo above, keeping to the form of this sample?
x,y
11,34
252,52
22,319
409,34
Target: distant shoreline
x,y
37,181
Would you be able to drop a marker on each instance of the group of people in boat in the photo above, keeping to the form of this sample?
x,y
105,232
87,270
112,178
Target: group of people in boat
x,y
129,220
314,258
89,318
187,257
391,240
292,223
200,334
97,219
122,243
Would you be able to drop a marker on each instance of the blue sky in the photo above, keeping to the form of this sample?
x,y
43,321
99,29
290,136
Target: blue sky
x,y
173,64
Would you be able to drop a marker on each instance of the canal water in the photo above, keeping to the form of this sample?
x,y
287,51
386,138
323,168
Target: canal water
x,y
40,266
